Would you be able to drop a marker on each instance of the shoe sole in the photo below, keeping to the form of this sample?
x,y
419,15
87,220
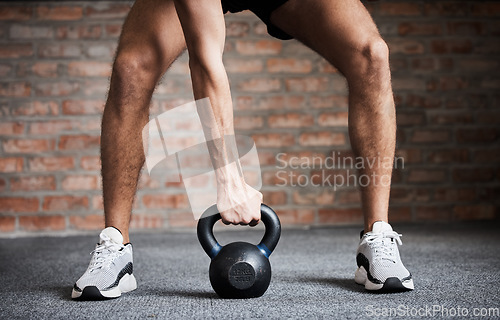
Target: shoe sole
x,y
390,285
127,283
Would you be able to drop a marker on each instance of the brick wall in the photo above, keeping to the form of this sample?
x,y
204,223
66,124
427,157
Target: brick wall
x,y
55,60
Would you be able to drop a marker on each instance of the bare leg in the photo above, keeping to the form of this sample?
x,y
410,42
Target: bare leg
x,y
151,40
344,33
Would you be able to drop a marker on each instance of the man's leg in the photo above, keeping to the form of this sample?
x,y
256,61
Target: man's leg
x,y
151,40
344,33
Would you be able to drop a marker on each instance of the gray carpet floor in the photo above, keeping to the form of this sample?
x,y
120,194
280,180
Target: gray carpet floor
x,y
454,267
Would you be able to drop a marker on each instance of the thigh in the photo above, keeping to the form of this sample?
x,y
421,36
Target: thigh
x,y
153,32
336,29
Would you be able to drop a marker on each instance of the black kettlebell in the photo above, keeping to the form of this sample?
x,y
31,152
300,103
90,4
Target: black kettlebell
x,y
239,269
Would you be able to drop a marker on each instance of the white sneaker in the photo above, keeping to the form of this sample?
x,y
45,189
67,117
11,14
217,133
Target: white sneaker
x,y
109,273
379,265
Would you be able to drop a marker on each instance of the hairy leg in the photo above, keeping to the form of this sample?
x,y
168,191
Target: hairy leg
x,y
344,33
151,40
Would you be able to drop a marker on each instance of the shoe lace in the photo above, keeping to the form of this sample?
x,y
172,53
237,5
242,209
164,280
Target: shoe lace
x,y
384,245
104,254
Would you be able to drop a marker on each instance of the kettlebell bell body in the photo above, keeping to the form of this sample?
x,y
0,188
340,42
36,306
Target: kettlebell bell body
x,y
239,269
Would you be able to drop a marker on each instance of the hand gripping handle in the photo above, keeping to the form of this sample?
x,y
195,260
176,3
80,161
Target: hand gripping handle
x,y
212,215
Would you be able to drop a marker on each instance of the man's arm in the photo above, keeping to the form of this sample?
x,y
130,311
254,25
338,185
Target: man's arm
x,y
204,30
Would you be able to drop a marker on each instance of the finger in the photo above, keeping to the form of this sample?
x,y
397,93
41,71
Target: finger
x,y
253,223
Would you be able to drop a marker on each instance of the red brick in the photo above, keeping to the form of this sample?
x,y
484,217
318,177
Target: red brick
x,y
80,182
260,47
333,119
316,196
32,183
53,127
260,85
409,195
405,46
89,69
307,84
5,70
248,122
107,11
326,67
452,118
146,221
78,142
408,83
36,108
297,216
487,156
470,175
18,204
7,224
482,9
481,135
45,89
340,216
448,156
60,13
15,89
11,164
273,140
426,175
332,101
451,46
243,66
407,155
16,13
65,203
474,212
433,213
165,201
430,136
87,222
91,163
102,50
237,29
488,117
274,198
114,30
466,28
79,32
399,9
419,29
19,31
28,145
281,102
59,50
290,120
11,128
288,65
427,102
51,164
455,194
410,119
42,223
45,69
400,214
78,107
322,138
448,8
300,159
15,51
181,220
479,65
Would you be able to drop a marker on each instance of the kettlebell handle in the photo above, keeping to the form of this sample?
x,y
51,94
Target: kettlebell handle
x,y
212,215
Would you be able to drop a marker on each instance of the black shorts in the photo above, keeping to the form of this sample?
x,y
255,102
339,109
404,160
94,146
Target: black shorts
x,y
262,9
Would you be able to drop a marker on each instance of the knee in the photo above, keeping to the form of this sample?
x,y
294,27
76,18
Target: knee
x,y
371,60
132,68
